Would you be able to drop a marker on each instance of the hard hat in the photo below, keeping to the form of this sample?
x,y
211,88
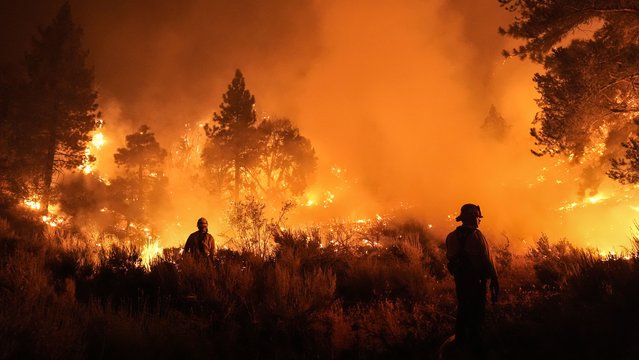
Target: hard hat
x,y
469,210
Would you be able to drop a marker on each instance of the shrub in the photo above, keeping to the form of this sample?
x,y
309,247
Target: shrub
x,y
503,256
553,263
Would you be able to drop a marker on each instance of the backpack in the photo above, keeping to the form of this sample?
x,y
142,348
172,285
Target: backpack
x,y
460,264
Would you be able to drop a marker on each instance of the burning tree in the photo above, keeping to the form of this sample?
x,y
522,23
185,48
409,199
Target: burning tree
x,y
271,158
61,103
142,159
588,92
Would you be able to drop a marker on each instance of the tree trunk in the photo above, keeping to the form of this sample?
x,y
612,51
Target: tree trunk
x,y
236,189
48,172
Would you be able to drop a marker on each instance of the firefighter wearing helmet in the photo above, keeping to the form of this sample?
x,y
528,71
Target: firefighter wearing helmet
x,y
470,263
200,244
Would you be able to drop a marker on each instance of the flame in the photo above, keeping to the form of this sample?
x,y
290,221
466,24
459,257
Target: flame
x,y
590,200
98,140
105,181
596,198
325,200
150,252
310,201
32,203
86,166
612,254
53,220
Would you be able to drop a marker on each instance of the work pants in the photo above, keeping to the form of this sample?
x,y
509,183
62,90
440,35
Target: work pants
x,y
471,307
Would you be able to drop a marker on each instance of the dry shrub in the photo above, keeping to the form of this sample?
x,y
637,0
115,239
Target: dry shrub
x,y
291,293
234,282
613,280
196,279
37,321
503,256
381,326
342,336
392,273
553,263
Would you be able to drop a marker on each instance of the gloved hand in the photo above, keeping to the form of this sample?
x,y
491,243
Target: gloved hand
x,y
494,289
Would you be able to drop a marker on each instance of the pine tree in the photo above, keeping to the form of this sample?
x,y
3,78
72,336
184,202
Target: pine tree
x,y
143,182
231,141
495,126
589,88
62,107
17,167
142,153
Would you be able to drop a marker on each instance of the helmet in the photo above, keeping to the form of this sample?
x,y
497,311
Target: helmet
x,y
469,210
202,221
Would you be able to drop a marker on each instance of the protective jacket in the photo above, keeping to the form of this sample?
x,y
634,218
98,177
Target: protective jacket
x,y
200,244
468,254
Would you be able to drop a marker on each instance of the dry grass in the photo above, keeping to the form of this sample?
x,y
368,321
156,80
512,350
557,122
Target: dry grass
x,y
62,298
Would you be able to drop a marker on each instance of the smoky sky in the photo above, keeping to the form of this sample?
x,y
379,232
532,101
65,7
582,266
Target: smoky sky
x,y
165,62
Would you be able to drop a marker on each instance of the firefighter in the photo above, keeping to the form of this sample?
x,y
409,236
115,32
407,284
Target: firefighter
x,y
200,244
470,263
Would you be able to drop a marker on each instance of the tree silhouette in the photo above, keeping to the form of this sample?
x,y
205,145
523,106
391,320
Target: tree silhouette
x,y
286,160
588,92
18,167
62,108
232,136
270,158
144,183
142,153
495,126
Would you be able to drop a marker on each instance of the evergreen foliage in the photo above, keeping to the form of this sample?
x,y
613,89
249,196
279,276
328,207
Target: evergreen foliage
x,y
144,182
588,91
60,108
242,156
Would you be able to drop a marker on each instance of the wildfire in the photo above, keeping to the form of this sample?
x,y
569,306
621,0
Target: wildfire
x,y
53,220
590,200
596,198
612,254
150,252
86,166
325,200
97,141
32,203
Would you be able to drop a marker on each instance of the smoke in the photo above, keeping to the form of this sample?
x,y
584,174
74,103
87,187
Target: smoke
x,y
394,92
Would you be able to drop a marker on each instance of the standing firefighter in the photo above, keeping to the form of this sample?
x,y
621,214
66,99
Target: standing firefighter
x,y
200,244
470,263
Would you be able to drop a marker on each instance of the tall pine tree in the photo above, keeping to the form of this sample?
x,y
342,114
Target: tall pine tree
x,y
62,99
231,145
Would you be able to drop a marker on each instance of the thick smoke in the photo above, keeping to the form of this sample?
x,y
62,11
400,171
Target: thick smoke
x,y
394,91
